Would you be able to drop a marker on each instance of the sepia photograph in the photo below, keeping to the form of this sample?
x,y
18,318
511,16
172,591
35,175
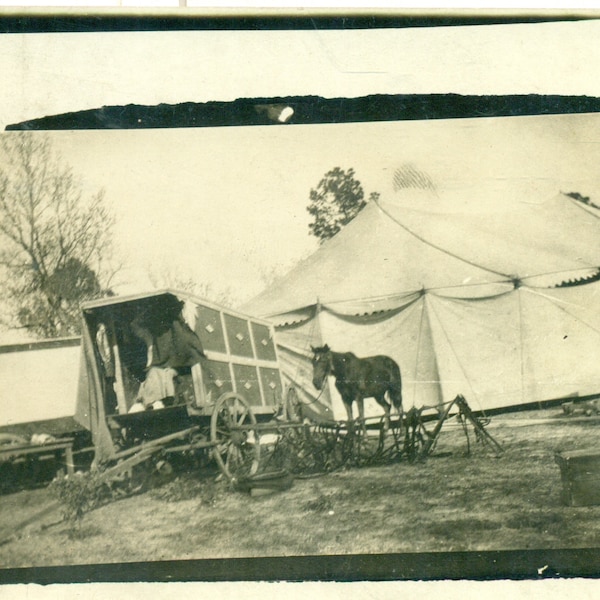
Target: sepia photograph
x,y
299,299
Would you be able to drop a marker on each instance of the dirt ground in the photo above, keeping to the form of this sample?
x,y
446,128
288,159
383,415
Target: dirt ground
x,y
451,502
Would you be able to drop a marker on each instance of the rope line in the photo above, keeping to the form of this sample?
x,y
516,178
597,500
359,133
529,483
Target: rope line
x,y
422,239
559,304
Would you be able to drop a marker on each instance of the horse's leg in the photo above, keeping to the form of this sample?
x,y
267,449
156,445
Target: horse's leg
x,y
361,414
387,410
348,407
400,415
396,397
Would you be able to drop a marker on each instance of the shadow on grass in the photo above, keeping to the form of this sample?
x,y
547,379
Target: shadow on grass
x,y
460,529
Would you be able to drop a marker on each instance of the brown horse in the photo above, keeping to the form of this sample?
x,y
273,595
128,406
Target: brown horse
x,y
359,378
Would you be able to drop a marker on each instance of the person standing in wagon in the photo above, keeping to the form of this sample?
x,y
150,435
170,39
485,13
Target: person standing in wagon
x,y
171,345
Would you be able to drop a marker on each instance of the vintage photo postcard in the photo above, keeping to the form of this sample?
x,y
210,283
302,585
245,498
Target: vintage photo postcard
x,y
299,298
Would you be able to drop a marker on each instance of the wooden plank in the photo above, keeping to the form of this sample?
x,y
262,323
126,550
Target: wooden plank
x,y
16,450
128,463
193,446
157,443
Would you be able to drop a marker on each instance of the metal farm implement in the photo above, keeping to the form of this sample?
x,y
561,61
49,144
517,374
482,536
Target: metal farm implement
x,y
330,445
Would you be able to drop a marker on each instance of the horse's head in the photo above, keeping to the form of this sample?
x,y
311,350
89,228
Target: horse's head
x,y
322,365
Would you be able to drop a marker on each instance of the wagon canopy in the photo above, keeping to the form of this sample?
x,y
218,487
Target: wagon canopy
x,y
498,304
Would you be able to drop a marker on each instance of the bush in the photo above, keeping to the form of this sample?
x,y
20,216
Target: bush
x,y
79,493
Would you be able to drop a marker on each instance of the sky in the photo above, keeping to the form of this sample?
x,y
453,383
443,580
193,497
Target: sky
x,y
227,206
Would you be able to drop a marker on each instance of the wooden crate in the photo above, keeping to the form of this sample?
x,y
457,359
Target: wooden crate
x,y
580,473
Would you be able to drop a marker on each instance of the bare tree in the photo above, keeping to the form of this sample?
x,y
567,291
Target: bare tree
x,y
54,243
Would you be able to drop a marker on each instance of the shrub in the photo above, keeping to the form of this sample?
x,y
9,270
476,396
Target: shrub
x,y
79,493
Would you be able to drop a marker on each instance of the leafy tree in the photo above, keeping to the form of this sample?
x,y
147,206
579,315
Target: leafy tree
x,y
336,200
53,242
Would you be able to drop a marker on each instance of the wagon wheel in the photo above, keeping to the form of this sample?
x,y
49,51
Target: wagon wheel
x,y
236,451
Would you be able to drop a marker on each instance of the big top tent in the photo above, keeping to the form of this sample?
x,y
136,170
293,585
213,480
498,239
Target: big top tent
x,y
495,302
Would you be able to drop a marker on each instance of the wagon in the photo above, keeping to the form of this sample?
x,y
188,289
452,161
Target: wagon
x,y
217,405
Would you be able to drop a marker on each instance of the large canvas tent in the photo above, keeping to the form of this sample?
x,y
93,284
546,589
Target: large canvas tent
x,y
495,301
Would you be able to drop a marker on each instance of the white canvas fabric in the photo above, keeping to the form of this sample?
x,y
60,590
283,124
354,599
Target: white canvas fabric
x,y
465,300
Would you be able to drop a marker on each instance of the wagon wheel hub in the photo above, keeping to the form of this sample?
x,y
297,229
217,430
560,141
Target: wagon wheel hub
x,y
238,438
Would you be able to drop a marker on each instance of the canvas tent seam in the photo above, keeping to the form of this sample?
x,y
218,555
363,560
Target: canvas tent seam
x,y
514,282
521,346
434,292
583,280
294,350
458,361
398,295
379,314
439,248
418,352
560,305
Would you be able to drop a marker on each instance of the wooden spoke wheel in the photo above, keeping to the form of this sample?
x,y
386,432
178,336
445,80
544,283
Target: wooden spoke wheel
x,y
236,444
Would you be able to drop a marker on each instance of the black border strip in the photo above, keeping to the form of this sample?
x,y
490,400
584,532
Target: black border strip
x,y
474,566
313,110
98,20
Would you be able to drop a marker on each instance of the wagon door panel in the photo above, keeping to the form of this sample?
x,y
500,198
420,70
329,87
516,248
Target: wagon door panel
x,y
247,383
271,385
263,342
220,375
209,329
238,336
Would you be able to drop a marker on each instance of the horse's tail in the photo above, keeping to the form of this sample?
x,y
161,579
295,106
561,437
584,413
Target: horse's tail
x,y
395,389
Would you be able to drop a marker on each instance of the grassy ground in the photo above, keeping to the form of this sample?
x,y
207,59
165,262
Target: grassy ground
x,y
451,502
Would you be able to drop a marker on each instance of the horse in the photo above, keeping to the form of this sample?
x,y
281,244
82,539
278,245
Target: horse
x,y
359,378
